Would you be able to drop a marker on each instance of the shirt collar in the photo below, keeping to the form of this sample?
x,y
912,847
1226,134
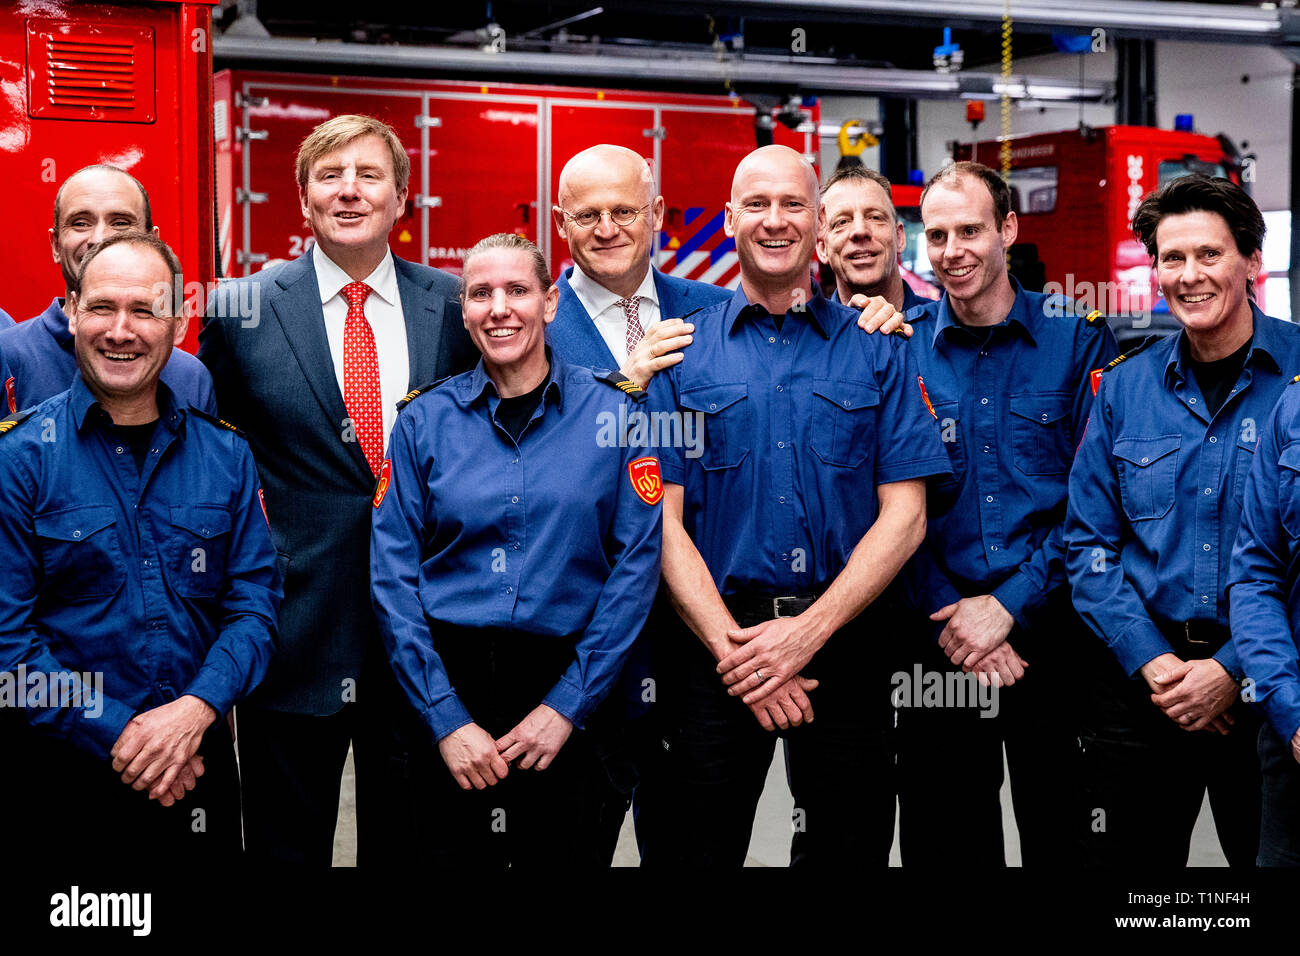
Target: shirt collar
x,y
1264,342
482,388
1019,318
81,402
331,279
56,323
596,298
739,307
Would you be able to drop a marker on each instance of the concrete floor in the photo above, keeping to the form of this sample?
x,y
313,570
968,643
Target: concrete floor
x,y
770,845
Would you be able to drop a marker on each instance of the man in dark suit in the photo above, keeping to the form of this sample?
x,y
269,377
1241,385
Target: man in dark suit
x,y
309,359
615,309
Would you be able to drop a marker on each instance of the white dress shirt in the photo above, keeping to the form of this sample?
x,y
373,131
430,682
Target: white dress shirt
x,y
611,321
383,310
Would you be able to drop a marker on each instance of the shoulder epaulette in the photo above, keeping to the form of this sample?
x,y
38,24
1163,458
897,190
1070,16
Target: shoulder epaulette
x,y
415,393
1292,382
1095,318
622,383
1133,351
220,422
14,420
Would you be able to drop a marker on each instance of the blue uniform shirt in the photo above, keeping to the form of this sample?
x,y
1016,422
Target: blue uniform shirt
x,y
911,299
6,319
162,579
1264,578
548,536
1156,491
37,361
799,426
1011,400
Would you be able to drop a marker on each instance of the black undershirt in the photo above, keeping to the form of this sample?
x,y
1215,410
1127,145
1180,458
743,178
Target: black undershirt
x,y
514,413
138,438
1217,378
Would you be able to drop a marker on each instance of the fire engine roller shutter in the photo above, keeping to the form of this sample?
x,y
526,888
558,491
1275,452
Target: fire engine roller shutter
x,y
90,71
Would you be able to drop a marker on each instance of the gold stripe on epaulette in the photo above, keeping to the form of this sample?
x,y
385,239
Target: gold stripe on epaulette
x,y
6,426
1092,317
1295,380
411,394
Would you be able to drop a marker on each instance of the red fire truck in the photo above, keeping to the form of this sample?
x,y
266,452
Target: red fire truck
x,y
1074,194
484,158
84,83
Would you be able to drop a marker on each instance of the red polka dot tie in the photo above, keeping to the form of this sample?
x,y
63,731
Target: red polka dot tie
x,y
632,309
361,392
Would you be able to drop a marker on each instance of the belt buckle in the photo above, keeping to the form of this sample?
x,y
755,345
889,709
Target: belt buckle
x,y
1187,634
776,603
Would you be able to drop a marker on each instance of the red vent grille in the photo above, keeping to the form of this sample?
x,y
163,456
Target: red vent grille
x,y
90,71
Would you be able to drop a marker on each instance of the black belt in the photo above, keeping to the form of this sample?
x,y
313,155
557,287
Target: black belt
x,y
768,606
1201,638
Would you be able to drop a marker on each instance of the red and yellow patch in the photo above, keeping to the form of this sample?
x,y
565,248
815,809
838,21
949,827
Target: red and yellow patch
x,y
9,394
1094,378
925,396
261,500
646,480
381,488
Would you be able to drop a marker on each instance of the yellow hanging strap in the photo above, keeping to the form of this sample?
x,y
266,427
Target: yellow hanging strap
x,y
1006,92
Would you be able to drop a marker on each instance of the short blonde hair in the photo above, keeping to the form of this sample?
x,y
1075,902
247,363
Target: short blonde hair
x,y
508,240
338,132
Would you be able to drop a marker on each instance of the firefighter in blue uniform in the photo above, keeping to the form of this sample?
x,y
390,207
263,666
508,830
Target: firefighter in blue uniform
x,y
137,556
1154,509
1264,612
805,499
1007,372
515,554
36,356
860,240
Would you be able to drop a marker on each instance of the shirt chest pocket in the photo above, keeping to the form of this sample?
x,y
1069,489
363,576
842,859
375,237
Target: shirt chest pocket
x,y
1244,455
197,543
844,421
948,415
81,555
1148,470
1288,489
1040,432
728,422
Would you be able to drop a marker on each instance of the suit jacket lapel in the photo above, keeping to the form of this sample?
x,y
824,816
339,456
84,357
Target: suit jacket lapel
x,y
574,332
298,310
423,312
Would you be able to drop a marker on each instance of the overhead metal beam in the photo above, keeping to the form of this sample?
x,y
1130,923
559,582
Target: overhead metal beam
x,y
802,74
1145,18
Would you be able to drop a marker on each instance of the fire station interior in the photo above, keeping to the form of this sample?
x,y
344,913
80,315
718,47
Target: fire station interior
x,y
1101,100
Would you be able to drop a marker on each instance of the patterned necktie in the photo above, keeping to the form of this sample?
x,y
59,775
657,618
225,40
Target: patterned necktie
x,y
632,309
361,392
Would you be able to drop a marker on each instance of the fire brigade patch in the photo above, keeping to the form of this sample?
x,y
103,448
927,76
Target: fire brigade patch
x,y
925,396
646,481
1094,378
381,488
9,394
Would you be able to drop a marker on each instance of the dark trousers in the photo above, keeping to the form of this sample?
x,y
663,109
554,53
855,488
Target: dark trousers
x,y
1279,832
950,754
1146,778
715,757
73,808
557,818
292,766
